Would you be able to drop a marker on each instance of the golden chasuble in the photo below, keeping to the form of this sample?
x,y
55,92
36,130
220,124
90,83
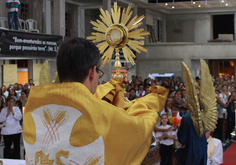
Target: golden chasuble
x,y
65,124
113,92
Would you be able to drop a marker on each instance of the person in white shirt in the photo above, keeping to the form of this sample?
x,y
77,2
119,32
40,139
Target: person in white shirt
x,y
220,106
167,108
166,141
214,150
11,116
140,92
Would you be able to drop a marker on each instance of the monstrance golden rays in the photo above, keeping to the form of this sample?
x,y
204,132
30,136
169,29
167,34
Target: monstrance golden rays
x,y
117,34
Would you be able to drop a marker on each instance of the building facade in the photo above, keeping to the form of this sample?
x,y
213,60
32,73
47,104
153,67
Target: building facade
x,y
179,32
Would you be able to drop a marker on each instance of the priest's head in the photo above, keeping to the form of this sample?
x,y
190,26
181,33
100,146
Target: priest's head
x,y
78,60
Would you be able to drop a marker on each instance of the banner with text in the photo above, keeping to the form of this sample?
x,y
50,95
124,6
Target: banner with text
x,y
24,44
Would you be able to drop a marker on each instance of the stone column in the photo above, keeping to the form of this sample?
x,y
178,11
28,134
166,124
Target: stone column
x,y
1,72
47,16
235,26
59,17
164,28
81,22
106,5
3,9
135,10
48,21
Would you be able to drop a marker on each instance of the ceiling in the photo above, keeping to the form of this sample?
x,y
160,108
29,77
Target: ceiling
x,y
188,6
166,6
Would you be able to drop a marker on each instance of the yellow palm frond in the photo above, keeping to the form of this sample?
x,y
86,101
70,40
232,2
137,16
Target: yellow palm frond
x,y
136,46
97,37
107,56
105,17
126,15
115,12
128,54
102,46
138,34
135,22
99,26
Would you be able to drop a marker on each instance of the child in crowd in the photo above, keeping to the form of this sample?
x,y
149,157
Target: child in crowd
x,y
175,122
166,141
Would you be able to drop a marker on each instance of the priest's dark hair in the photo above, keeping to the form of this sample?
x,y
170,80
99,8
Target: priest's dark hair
x,y
75,58
179,103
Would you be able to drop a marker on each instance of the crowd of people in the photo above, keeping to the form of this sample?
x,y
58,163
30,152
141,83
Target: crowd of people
x,y
224,90
225,94
13,99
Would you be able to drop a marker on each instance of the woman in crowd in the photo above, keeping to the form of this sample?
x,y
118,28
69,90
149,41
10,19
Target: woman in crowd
x,y
22,101
224,97
2,105
156,81
177,85
167,108
2,96
225,93
18,90
184,95
10,116
220,88
13,94
4,91
132,84
178,93
230,116
171,82
231,89
132,94
180,85
171,94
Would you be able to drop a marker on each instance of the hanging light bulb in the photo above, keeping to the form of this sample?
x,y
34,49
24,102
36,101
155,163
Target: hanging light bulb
x,y
226,4
173,7
222,1
199,6
166,4
194,3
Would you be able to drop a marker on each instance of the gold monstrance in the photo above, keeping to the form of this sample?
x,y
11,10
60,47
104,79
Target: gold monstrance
x,y
116,35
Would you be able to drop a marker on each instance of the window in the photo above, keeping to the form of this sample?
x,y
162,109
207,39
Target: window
x,y
24,13
151,37
68,24
223,24
157,29
222,67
